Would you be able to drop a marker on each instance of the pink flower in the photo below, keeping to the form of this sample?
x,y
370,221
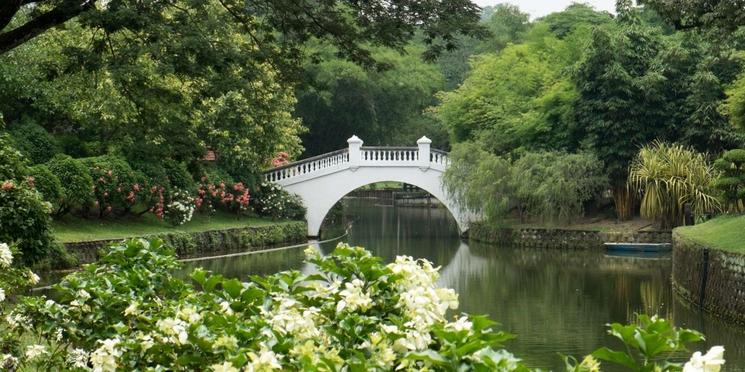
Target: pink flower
x,y
8,185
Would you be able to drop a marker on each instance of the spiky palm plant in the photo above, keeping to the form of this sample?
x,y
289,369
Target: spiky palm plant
x,y
668,176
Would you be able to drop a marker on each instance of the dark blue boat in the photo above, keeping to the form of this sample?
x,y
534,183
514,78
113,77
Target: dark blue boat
x,y
639,247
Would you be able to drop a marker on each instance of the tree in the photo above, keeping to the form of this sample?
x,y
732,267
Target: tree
x,y
506,24
340,99
620,106
575,15
731,181
722,15
668,176
349,25
519,98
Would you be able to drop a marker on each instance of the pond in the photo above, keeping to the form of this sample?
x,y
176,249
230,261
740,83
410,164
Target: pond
x,y
555,301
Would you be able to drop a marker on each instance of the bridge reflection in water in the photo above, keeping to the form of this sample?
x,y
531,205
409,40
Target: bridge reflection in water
x,y
555,301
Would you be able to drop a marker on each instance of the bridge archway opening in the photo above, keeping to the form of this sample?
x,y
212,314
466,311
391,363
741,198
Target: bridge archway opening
x,y
412,196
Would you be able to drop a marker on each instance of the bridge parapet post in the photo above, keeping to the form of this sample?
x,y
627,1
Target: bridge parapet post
x,y
355,152
424,144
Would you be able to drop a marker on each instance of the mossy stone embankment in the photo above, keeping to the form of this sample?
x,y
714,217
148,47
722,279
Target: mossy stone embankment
x,y
709,267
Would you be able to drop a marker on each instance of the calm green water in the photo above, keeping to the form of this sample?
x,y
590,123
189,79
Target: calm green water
x,y
555,301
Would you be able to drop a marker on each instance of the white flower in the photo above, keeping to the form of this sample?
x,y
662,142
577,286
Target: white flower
x,y
460,324
58,334
33,279
175,329
265,361
225,307
78,358
8,361
2,295
132,309
225,367
83,295
710,362
146,342
189,314
104,358
15,320
6,256
353,297
35,351
227,342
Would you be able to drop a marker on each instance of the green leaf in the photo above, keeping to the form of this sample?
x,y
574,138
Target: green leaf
x,y
618,357
233,287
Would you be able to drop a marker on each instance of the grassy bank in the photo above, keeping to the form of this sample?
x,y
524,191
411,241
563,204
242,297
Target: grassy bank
x,y
72,229
725,232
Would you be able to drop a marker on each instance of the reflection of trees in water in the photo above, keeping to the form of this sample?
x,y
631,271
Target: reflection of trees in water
x,y
390,231
242,267
555,301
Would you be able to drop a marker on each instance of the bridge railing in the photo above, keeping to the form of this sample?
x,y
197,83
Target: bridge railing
x,y
308,165
370,156
389,154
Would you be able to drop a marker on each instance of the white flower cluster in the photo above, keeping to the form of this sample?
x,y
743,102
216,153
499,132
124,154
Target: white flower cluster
x,y
104,359
712,361
180,212
422,302
354,297
6,256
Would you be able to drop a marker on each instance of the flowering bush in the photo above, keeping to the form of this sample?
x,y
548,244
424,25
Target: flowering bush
x,y
115,185
181,208
222,195
129,312
277,203
282,158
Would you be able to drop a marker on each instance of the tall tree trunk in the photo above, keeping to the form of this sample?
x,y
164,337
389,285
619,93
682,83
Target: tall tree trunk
x,y
623,201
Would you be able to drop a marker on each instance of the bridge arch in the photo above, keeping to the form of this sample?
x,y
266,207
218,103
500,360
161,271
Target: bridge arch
x,y
324,180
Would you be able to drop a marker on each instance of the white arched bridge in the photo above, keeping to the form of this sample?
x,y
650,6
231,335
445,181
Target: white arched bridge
x,y
323,180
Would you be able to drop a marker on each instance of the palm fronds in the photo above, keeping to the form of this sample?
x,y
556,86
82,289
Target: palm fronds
x,y
668,176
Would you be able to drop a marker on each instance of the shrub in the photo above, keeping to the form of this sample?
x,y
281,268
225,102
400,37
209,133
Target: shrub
x,y
556,185
35,142
356,314
25,221
233,198
178,176
731,181
668,176
24,215
277,203
77,184
115,185
12,164
180,209
46,183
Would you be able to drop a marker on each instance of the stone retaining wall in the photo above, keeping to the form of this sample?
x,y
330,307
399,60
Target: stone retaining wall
x,y
250,238
721,275
562,238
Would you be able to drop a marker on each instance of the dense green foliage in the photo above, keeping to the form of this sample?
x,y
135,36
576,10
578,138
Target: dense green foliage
x,y
543,185
584,81
731,181
339,99
24,214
